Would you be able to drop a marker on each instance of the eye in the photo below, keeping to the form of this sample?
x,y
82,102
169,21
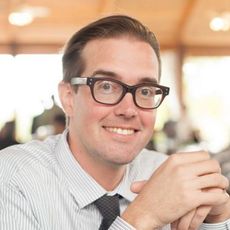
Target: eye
x,y
147,91
107,87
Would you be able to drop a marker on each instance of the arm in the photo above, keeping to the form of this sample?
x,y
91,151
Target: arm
x,y
15,212
207,217
219,213
178,187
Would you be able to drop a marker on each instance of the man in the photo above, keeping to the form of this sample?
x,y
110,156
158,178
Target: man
x,y
110,92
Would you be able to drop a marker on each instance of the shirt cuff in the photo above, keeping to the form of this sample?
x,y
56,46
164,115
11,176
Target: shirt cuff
x,y
216,226
120,224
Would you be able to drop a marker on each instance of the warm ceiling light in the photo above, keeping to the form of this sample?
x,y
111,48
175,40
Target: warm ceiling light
x,y
217,24
25,15
221,22
20,18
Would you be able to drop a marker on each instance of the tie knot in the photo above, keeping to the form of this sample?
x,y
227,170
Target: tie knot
x,y
109,209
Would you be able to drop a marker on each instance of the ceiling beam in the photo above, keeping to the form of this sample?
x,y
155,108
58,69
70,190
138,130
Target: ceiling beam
x,y
107,6
185,16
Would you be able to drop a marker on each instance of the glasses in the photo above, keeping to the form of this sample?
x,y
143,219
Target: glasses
x,y
110,91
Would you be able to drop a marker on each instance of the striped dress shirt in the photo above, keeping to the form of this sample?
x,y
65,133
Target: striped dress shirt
x,y
42,187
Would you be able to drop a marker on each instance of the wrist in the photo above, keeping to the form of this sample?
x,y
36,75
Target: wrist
x,y
140,220
219,214
211,219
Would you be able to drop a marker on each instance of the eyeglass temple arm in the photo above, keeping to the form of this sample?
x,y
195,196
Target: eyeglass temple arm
x,y
79,81
165,92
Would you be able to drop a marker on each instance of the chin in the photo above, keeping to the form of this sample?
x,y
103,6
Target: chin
x,y
124,157
120,162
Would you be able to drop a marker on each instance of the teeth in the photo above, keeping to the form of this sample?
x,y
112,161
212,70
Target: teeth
x,y
121,131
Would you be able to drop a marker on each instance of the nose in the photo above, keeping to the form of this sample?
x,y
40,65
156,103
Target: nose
x,y
126,107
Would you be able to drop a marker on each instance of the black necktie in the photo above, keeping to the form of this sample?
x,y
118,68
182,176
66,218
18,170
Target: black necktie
x,y
109,209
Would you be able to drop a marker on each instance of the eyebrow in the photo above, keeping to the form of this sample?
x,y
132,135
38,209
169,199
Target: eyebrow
x,y
114,75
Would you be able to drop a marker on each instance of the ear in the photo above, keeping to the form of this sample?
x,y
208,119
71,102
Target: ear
x,y
66,95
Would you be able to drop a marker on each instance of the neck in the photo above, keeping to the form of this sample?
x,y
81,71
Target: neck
x,y
106,174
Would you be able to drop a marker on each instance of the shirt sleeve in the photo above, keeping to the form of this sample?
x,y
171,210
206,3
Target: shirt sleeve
x,y
217,226
15,212
120,224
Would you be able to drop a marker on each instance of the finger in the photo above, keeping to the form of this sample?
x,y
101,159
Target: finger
x,y
184,222
137,186
214,180
189,157
194,170
217,210
199,217
212,198
203,167
174,225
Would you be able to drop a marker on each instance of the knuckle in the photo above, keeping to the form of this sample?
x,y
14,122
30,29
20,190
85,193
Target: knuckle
x,y
220,182
174,159
207,154
185,198
215,165
179,171
226,182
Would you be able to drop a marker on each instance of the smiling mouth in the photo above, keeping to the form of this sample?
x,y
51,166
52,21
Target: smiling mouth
x,y
120,131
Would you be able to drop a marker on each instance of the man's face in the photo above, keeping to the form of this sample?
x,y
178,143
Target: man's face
x,y
113,134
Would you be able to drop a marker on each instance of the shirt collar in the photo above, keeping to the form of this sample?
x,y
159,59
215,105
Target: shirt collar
x,y
81,185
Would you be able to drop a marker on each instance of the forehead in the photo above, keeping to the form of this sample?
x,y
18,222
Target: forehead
x,y
124,56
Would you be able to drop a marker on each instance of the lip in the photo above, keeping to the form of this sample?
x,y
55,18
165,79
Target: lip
x,y
119,130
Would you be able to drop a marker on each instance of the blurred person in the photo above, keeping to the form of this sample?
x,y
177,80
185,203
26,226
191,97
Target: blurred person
x,y
46,118
171,139
187,134
59,123
56,126
178,136
110,92
8,135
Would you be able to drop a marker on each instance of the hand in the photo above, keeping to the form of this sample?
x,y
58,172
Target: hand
x,y
208,214
191,220
219,213
175,189
195,218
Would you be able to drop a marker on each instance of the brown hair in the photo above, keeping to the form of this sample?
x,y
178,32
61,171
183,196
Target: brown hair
x,y
107,27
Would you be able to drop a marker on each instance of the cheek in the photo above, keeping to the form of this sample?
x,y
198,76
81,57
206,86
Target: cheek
x,y
148,120
87,111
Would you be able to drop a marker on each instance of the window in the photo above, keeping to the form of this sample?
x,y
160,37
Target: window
x,y
27,83
206,87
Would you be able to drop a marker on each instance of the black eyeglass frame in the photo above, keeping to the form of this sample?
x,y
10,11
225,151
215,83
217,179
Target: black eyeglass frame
x,y
90,81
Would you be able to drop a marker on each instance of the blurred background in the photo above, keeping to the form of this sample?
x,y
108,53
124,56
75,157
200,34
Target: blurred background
x,y
195,43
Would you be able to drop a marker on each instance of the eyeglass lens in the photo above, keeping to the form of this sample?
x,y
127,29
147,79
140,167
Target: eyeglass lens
x,y
109,92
